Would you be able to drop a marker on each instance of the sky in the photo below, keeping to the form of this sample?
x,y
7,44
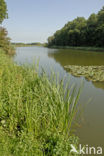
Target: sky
x,y
36,20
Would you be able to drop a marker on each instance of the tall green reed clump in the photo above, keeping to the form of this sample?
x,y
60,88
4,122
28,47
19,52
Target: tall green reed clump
x,y
35,115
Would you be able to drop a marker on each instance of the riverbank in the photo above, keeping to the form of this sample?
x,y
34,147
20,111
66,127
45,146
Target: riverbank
x,y
97,49
34,116
28,44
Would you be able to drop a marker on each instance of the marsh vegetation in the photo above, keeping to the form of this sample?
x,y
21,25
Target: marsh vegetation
x,y
35,114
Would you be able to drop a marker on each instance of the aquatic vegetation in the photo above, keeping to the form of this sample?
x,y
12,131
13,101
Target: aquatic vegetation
x,y
35,114
91,73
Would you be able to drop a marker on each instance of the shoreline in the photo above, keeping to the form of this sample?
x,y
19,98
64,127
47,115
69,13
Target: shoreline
x,y
97,49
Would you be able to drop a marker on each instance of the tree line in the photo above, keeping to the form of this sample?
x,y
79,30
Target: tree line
x,y
5,43
81,32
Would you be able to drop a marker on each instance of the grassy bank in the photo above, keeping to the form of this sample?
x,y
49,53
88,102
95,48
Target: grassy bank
x,y
97,49
35,118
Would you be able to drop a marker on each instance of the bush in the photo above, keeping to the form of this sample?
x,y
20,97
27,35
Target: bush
x,y
5,42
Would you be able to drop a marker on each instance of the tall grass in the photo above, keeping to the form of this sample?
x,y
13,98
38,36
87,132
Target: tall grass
x,y
35,114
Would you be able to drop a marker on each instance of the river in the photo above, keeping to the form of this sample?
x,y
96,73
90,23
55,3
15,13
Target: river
x,y
90,127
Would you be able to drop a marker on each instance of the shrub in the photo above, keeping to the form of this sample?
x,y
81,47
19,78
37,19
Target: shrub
x,y
5,43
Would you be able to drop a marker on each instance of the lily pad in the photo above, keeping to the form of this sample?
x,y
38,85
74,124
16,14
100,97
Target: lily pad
x,y
92,73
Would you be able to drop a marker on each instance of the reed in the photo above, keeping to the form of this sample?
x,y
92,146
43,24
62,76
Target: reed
x,y
36,114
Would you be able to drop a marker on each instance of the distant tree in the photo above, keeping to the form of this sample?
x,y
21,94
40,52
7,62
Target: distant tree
x,y
100,28
91,30
3,10
50,39
92,20
101,16
81,32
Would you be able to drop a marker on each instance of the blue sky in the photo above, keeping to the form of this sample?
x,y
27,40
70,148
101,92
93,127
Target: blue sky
x,y
36,20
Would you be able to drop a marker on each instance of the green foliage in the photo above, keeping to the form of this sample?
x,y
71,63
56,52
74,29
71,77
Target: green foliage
x,y
35,114
3,10
27,44
81,32
4,39
5,43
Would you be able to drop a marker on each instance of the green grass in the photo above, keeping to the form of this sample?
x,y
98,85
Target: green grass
x,y
35,115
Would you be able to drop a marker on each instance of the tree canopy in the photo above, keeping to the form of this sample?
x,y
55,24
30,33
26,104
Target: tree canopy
x,y
81,32
3,10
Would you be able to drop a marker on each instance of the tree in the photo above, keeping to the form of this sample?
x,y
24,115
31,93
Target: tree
x,y
3,11
101,16
5,43
81,32
91,30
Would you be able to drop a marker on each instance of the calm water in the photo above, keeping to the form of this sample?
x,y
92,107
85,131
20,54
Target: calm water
x,y
91,125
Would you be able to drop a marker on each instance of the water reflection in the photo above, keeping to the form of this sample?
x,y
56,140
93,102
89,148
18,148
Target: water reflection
x,y
77,57
99,85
